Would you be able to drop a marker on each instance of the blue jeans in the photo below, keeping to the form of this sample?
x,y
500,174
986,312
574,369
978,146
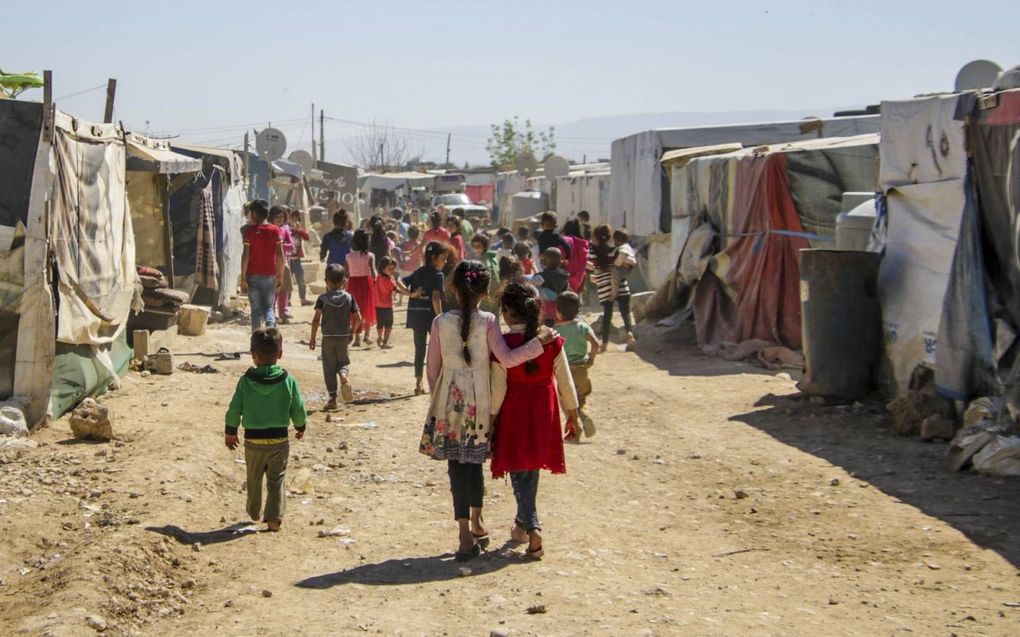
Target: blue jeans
x,y
261,296
525,485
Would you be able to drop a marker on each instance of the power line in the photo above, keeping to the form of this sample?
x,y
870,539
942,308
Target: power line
x,y
88,90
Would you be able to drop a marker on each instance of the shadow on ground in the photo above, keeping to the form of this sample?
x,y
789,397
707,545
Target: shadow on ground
x,y
984,508
226,534
413,570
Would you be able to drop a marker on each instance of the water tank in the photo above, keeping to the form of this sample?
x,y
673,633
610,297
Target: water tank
x,y
854,224
841,322
528,204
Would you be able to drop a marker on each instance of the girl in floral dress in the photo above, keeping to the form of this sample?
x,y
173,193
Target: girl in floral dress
x,y
458,426
527,434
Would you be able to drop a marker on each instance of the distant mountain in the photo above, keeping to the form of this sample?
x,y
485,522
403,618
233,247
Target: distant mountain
x,y
590,138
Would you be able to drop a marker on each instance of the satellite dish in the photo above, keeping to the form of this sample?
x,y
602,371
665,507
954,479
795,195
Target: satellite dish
x,y
977,75
526,164
304,159
556,166
270,144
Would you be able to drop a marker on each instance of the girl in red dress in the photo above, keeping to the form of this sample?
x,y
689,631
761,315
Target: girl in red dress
x,y
361,283
527,435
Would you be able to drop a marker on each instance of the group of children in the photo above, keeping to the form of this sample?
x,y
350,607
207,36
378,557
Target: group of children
x,y
493,394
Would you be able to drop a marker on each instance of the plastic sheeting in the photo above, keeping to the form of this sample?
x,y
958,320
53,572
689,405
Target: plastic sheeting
x,y
923,163
575,193
145,200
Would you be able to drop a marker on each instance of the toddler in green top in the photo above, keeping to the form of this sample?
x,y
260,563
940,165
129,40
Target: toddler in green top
x,y
265,402
581,346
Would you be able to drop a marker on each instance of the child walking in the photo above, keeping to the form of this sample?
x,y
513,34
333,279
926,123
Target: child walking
x,y
426,286
280,217
577,336
265,402
361,270
262,264
385,285
337,313
458,425
527,434
610,286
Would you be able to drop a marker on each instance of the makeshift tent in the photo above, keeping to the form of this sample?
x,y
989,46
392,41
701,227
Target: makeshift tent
x,y
977,353
765,204
581,190
150,164
923,168
639,192
218,189
508,184
93,249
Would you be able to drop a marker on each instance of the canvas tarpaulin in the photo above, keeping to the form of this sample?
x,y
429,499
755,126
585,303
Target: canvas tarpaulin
x,y
639,189
590,192
923,163
91,232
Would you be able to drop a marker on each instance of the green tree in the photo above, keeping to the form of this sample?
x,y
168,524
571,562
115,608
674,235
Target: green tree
x,y
510,140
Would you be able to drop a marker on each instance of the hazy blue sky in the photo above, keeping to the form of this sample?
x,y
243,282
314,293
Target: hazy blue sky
x,y
210,65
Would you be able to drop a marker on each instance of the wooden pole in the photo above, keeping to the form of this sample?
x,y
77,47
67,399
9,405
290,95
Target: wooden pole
x,y
48,107
111,91
322,135
247,173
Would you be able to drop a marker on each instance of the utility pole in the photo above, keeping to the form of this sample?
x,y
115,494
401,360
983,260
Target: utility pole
x,y
247,175
111,90
322,135
382,163
448,149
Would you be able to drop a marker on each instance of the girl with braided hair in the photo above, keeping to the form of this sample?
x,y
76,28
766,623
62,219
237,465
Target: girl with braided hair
x,y
459,422
527,434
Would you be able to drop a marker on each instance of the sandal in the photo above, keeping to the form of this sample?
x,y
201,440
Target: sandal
x,y
482,541
534,554
470,554
347,392
518,535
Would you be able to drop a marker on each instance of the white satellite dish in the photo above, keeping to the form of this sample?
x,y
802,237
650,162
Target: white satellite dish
x,y
304,159
526,164
556,166
976,75
270,144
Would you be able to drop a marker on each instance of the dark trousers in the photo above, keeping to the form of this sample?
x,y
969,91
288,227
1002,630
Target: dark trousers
x,y
299,275
607,315
335,360
421,342
467,485
525,485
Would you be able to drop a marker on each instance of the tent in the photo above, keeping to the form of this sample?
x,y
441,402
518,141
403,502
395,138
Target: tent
x,y
976,353
581,190
639,193
922,179
764,205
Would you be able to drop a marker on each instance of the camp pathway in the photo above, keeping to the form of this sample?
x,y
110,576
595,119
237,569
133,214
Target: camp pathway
x,y
709,503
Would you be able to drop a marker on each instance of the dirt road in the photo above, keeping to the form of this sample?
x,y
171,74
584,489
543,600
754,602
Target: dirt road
x,y
709,503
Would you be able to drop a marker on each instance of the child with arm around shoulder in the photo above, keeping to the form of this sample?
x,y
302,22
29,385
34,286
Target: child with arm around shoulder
x,y
386,284
265,402
458,424
527,435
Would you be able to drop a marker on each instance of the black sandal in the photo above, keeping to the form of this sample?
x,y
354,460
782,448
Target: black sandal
x,y
481,540
464,556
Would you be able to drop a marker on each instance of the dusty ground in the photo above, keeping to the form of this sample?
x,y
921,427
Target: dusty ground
x,y
710,503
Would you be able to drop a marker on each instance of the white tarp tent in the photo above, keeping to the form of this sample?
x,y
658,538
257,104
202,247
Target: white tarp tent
x,y
636,194
923,168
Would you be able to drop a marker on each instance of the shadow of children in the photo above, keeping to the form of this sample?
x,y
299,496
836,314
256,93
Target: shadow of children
x,y
412,570
226,534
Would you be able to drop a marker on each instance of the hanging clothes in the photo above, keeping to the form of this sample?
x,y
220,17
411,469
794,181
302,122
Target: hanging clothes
x,y
207,271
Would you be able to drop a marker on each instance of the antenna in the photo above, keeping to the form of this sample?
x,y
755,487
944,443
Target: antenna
x,y
270,144
977,75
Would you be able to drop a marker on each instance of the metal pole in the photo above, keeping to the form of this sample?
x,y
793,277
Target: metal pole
x,y
247,175
322,135
448,149
111,91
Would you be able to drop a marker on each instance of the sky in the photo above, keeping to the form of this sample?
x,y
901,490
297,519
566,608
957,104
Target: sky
x,y
208,71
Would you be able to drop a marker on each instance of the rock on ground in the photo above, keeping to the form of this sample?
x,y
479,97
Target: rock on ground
x,y
92,421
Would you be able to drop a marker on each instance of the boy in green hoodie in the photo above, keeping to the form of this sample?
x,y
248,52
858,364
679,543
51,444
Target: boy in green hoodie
x,y
265,402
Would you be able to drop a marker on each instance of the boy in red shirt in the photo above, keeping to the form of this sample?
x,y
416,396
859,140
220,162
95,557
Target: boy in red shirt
x,y
261,264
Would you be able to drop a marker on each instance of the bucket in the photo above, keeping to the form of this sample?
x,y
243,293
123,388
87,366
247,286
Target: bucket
x,y
192,319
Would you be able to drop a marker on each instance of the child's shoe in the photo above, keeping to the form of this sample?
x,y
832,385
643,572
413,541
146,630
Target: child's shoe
x,y
631,342
588,423
331,405
347,392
